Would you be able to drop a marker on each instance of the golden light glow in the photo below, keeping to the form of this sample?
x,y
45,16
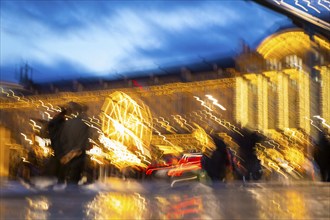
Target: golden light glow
x,y
165,124
215,102
283,101
44,145
287,43
241,101
117,206
206,144
325,92
175,150
182,122
286,156
125,133
303,81
95,96
262,96
38,208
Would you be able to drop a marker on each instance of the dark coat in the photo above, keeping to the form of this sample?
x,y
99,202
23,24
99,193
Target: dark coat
x,y
322,156
74,135
247,153
215,166
54,132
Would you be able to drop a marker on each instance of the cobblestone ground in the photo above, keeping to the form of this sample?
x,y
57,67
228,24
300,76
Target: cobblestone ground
x,y
119,199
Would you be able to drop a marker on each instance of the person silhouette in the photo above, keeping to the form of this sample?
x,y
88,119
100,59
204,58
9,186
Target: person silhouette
x,y
74,143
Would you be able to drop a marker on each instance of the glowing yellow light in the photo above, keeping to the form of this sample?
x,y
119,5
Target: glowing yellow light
x,y
325,92
125,130
241,101
117,206
215,102
202,103
294,41
27,139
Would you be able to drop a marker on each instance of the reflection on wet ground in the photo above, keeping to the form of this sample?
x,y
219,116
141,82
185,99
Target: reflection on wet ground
x,y
118,199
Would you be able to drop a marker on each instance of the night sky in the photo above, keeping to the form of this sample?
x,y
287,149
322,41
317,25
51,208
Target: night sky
x,y
74,39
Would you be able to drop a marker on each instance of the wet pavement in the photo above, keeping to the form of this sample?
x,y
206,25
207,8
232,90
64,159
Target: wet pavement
x,y
129,199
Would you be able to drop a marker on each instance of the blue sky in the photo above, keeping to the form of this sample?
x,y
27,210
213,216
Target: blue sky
x,y
74,39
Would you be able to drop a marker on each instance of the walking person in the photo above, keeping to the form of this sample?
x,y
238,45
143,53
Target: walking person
x,y
74,143
54,128
215,164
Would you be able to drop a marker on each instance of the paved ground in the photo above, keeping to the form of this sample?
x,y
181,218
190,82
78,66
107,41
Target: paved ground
x,y
189,199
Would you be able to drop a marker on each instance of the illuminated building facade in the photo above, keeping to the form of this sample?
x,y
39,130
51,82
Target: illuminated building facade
x,y
284,84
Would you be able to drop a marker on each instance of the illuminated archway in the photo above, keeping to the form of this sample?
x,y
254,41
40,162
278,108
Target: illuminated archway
x,y
293,41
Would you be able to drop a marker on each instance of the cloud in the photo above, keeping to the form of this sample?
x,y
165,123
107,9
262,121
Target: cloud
x,y
106,37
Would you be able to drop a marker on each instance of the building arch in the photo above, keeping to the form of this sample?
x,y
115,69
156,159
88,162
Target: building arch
x,y
291,41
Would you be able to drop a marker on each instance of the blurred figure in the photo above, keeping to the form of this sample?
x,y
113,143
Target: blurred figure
x,y
73,144
216,162
247,156
322,155
54,132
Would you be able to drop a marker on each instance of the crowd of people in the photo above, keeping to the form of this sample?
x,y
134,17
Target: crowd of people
x,y
222,164
69,137
243,166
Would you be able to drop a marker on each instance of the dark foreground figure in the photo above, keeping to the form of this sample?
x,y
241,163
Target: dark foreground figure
x,y
322,155
216,164
250,165
70,141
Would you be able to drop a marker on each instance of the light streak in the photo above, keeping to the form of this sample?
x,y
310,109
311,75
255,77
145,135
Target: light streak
x,y
43,143
167,124
51,109
182,122
24,160
322,119
14,96
96,160
121,155
319,2
96,151
273,143
43,105
299,5
34,124
313,123
28,140
202,103
92,126
215,102
4,92
306,16
95,121
279,3
277,204
213,117
312,7
93,142
48,115
180,180
57,108
164,138
144,158
200,117
201,112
